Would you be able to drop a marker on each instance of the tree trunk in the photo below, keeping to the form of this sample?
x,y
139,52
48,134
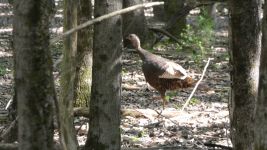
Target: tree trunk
x,y
135,22
104,132
33,73
261,111
68,137
246,46
83,79
171,7
158,12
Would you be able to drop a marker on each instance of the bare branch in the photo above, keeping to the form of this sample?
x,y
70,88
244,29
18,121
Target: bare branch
x,y
192,93
101,18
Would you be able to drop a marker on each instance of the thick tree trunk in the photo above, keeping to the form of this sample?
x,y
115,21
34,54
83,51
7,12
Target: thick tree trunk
x,y
83,79
106,83
261,111
33,73
68,137
246,46
158,12
171,7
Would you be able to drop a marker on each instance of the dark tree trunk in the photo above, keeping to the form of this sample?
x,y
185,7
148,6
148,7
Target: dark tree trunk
x,y
158,12
33,73
245,56
171,7
135,22
83,79
106,79
261,111
68,136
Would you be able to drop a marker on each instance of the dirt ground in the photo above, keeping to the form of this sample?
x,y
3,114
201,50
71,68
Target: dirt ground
x,y
144,124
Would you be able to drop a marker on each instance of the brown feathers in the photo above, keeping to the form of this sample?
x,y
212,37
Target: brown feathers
x,y
161,73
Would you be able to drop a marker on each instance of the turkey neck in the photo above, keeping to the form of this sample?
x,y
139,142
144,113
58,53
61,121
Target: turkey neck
x,y
143,53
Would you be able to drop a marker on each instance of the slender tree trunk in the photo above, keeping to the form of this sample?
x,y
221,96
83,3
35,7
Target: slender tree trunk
x,y
261,111
83,79
246,46
68,136
104,132
33,75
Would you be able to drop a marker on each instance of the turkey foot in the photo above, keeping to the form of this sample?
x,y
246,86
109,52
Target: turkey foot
x,y
164,100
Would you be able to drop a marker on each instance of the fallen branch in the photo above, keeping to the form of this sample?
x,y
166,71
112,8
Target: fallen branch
x,y
165,32
81,111
192,93
9,146
218,146
101,18
169,118
136,113
15,146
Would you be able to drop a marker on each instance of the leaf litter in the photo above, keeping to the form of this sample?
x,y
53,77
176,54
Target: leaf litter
x,y
143,122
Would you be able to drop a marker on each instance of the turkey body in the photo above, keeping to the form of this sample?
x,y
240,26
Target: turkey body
x,y
162,74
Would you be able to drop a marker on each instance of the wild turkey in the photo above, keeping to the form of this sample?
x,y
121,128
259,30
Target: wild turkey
x,y
161,73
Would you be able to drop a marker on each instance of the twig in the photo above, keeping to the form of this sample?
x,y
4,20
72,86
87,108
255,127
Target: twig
x,y
160,114
9,103
192,93
8,130
101,18
153,125
217,145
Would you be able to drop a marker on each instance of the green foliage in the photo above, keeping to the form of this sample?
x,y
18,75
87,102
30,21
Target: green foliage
x,y
3,70
178,107
135,139
194,101
167,98
170,94
142,133
198,38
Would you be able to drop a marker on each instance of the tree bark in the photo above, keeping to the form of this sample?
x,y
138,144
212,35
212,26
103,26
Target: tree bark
x,y
171,7
245,53
33,73
68,136
83,79
158,12
261,111
104,132
135,22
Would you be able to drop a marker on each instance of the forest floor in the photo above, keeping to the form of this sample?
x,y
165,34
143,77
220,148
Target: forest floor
x,y
203,124
204,121
144,124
